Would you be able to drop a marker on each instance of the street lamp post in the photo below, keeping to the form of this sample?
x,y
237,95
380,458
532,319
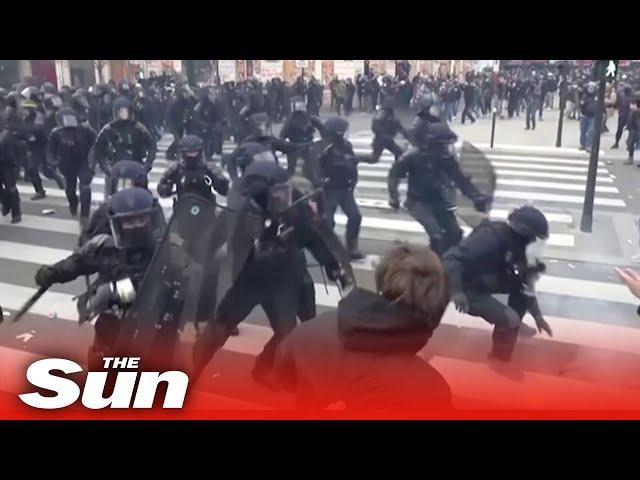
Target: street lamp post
x,y
586,223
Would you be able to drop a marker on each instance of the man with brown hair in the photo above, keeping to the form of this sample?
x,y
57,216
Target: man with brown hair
x,y
364,355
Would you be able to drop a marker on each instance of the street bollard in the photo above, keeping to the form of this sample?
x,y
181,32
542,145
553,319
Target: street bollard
x,y
493,126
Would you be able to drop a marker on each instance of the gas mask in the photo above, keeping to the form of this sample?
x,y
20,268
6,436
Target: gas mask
x,y
191,158
299,106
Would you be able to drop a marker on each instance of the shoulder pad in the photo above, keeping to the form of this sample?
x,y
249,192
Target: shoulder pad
x,y
94,244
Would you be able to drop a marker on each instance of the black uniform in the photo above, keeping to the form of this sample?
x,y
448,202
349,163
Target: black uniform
x,y
494,259
385,127
434,175
192,175
257,146
298,129
270,261
121,258
337,168
34,136
68,150
177,117
207,123
196,177
122,138
9,168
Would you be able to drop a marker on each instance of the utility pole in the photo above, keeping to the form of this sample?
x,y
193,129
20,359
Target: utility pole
x,y
603,69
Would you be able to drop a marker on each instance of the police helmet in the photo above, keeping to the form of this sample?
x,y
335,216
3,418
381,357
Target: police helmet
x,y
336,126
131,215
258,122
191,148
122,109
529,222
128,174
268,185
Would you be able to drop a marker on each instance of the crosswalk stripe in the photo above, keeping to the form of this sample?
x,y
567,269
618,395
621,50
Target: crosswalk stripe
x,y
372,184
601,171
589,289
96,197
411,226
374,173
573,287
591,334
47,224
500,172
549,197
553,185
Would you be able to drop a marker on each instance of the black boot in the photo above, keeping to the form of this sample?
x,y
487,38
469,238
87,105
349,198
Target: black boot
x,y
352,248
73,209
39,195
13,199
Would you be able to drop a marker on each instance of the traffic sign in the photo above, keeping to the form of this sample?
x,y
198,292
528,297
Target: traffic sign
x,y
302,63
611,69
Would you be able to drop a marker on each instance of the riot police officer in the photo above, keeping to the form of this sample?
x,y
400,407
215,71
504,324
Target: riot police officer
x,y
192,174
35,138
433,177
207,122
120,259
80,104
298,129
68,150
272,224
385,127
257,145
178,116
122,137
500,257
336,171
9,168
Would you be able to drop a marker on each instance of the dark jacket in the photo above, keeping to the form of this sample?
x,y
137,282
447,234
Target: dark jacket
x,y
365,356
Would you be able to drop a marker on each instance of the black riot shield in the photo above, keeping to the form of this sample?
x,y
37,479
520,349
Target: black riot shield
x,y
475,165
178,277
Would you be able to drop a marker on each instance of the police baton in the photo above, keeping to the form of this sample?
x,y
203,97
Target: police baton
x,y
29,303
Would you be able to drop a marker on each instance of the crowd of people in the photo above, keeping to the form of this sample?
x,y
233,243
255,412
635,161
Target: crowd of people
x,y
67,133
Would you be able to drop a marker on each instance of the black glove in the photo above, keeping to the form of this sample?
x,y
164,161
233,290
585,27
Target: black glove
x,y
542,325
461,302
482,203
394,203
44,276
